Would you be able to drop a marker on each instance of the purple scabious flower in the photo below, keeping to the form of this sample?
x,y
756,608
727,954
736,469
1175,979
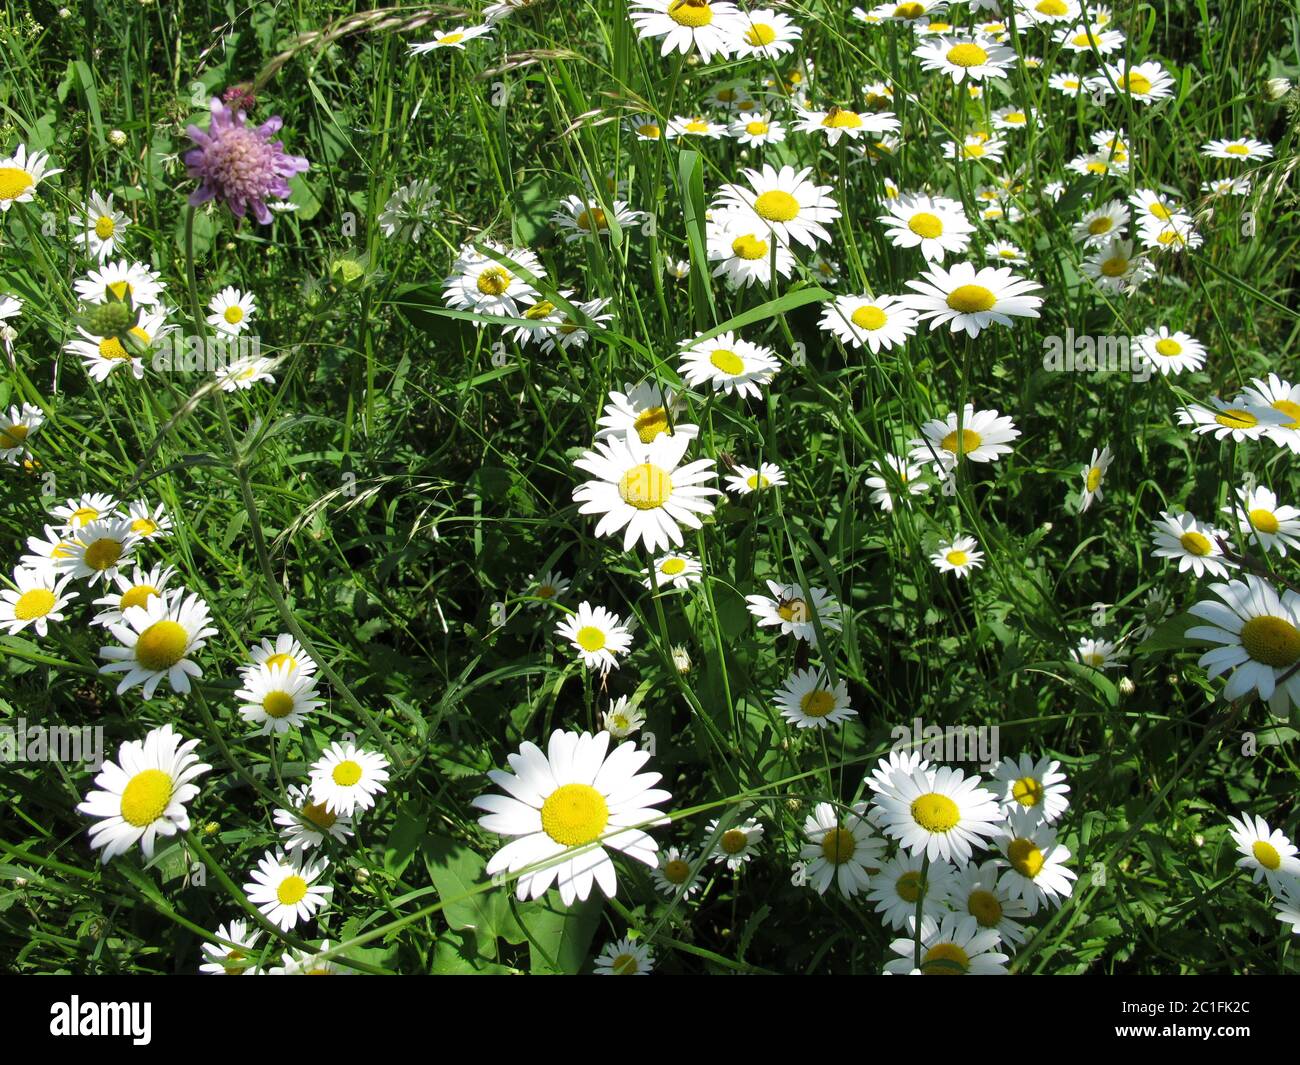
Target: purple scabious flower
x,y
240,165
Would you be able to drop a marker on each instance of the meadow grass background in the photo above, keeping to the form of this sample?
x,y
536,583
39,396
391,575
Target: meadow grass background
x,y
396,483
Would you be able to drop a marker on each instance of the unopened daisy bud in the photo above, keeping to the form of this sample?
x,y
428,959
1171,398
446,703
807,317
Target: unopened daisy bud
x,y
1199,840
1126,686
64,13
1047,526
794,805
362,875
681,659
211,828
20,881
1277,88
1172,680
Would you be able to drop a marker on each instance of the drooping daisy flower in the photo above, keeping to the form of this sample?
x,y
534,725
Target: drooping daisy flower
x,y
622,718
288,891
936,225
1036,788
1263,522
244,373
955,945
968,299
1258,631
1287,906
675,569
407,210
1145,83
644,490
1100,654
308,963
625,958
711,27
15,428
841,122
756,129
157,637
792,207
96,549
579,218
900,885
729,364
456,38
977,890
38,598
958,556
840,850
1267,854
677,873
742,246
20,173
1093,475
285,651
1240,422
240,165
793,609
305,824
148,521
808,699
277,698
143,794
231,311
347,778
550,586
1237,186
747,480
766,33
222,959
895,473
981,436
99,227
1238,148
734,847
480,284
938,812
646,409
965,58
1273,393
567,808
597,635
1036,872
1114,267
1194,544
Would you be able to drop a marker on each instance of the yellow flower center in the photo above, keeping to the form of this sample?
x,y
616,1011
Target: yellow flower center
x,y
973,151
13,182
280,659
144,526
1195,543
1168,347
910,886
1264,521
1237,149
1051,7
756,129
1097,226
624,965
794,610
1116,266
545,591
749,247
451,38
35,603
837,119
111,348
971,299
316,813
957,558
759,34
927,225
984,907
145,797
591,638
692,13
935,812
1098,166
945,959
137,595
346,773
493,281
1093,480
234,314
912,10
727,361
1026,859
672,567
13,436
645,486
1136,83
292,890
650,423
103,554
82,516
1266,854
649,129
776,205
1027,791
818,702
574,814
967,55
676,871
161,645
1271,640
1014,118
104,227
697,125
868,317
970,440
1083,40
734,841
1236,419
593,218
838,846
756,482
278,704
1291,410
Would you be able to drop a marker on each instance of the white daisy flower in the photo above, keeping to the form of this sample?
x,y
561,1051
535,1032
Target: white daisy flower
x,y
766,33
306,824
1004,251
742,246
50,553
96,549
232,311
941,813
1093,475
678,872
710,27
1267,854
1151,206
285,651
976,147
245,372
483,285
644,127
968,299
625,958
841,122
808,699
953,946
958,556
1170,352
143,794
1287,905
1176,235
978,890
101,355
288,891
1237,186
791,206
347,778
1263,522
936,225
20,173
1283,398
622,718
597,635
277,698
734,847
406,212
747,480
1036,788
567,808
901,884
118,281
579,219
729,364
1100,654
37,598
79,512
303,963
1238,421
978,436
646,408
1194,544
1114,268
549,587
222,959
965,58
1145,83
1091,38
757,129
99,227
146,521
675,569
1048,11
1065,83
16,428
844,851
896,474
157,637
1013,117
792,609
1237,148
1100,226
1035,863
456,38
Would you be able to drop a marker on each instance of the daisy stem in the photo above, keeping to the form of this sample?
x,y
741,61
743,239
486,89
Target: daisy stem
x,y
920,905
